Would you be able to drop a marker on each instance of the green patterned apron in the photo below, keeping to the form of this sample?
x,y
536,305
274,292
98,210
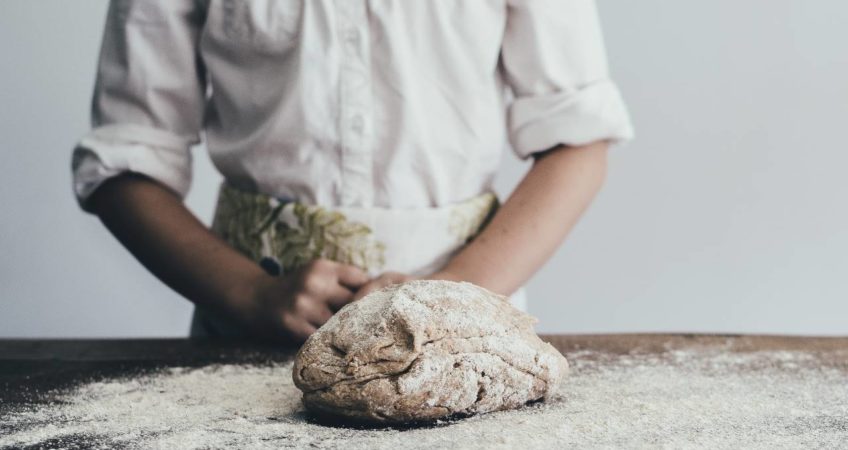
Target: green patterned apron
x,y
282,236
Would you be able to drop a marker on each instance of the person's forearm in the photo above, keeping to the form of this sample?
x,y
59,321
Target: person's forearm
x,y
156,227
534,221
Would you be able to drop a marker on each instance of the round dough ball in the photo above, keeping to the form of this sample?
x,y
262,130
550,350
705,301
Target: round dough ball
x,y
426,350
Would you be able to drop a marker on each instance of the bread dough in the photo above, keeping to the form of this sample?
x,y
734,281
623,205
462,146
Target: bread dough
x,y
425,350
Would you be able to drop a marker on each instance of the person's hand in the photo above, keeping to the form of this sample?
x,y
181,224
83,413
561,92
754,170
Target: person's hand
x,y
292,307
383,280
390,278
444,275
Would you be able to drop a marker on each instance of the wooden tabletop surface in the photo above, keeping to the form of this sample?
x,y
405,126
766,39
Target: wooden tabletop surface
x,y
32,371
198,350
31,367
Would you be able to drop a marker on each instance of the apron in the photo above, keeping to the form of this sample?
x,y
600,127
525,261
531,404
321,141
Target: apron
x,y
282,235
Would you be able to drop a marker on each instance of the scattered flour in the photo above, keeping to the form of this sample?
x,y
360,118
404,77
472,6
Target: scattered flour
x,y
704,398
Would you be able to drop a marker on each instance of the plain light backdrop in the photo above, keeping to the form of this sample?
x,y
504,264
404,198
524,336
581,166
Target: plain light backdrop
x,y
728,213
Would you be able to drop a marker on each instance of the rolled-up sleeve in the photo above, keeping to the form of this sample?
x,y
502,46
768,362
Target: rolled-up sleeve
x,y
147,107
555,62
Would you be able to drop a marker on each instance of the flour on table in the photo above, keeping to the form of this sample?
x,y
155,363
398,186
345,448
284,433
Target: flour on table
x,y
680,399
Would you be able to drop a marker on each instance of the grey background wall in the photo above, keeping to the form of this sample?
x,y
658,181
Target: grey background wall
x,y
727,214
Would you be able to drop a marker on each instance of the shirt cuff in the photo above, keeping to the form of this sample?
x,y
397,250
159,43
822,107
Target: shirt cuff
x,y
111,150
593,113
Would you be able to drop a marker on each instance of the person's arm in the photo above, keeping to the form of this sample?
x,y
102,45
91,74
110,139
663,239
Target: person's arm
x,y
553,59
154,225
530,225
534,221
565,111
134,166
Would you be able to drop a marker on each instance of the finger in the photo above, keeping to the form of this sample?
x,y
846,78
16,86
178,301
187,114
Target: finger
x,y
337,296
298,329
377,284
317,315
366,289
397,277
351,276
314,310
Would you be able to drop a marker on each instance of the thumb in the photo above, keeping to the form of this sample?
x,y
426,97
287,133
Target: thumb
x,y
351,276
366,289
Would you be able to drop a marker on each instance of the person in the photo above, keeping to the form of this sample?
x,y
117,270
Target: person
x,y
357,139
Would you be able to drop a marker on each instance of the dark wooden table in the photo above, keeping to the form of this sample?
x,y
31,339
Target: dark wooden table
x,y
31,368
33,371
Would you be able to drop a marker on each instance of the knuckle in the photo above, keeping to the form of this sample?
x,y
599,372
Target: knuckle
x,y
300,303
313,283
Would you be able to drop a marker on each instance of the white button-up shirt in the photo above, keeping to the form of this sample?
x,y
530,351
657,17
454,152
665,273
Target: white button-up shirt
x,y
383,103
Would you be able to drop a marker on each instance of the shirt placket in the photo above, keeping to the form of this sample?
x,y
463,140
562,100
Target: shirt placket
x,y
355,104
